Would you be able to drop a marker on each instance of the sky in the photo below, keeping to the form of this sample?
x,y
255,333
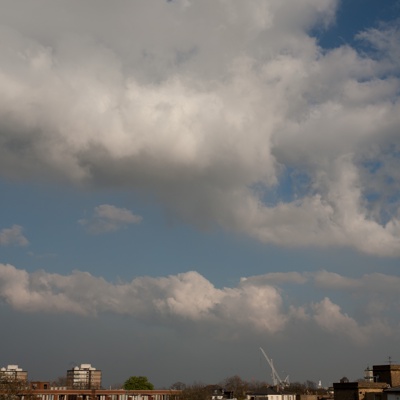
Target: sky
x,y
183,182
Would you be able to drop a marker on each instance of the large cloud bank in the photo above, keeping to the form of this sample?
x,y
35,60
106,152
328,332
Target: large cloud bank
x,y
259,304
227,112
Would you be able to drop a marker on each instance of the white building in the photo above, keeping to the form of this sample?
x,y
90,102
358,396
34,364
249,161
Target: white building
x,y
13,372
270,394
84,377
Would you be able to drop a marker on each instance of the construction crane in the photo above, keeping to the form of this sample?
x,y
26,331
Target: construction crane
x,y
276,380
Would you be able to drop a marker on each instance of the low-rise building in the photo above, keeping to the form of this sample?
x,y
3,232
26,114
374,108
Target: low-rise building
x,y
389,373
374,386
359,390
270,394
104,394
392,393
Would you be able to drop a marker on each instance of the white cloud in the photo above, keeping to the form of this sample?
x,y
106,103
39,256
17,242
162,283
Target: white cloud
x,y
189,298
108,218
384,40
214,111
13,236
32,293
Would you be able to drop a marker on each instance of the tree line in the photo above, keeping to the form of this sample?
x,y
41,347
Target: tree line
x,y
235,386
238,388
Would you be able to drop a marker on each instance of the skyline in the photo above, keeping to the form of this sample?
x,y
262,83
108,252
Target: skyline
x,y
183,182
274,377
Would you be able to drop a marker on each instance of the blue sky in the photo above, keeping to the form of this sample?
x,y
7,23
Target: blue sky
x,y
183,182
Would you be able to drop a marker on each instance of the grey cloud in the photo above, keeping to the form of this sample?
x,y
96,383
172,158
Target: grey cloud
x,y
108,218
108,101
278,278
332,280
13,236
330,317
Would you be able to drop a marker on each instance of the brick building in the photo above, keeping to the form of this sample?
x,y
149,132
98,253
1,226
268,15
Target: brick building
x,y
359,390
40,393
377,380
389,374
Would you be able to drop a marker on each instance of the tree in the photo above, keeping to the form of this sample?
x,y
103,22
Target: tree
x,y
61,381
15,389
255,385
196,391
237,385
178,386
297,387
311,385
138,383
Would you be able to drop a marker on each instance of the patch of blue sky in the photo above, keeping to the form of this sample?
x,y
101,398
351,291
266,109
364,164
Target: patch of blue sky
x,y
292,185
383,196
156,247
372,166
353,17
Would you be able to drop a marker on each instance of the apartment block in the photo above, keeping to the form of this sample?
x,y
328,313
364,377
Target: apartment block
x,y
13,372
84,377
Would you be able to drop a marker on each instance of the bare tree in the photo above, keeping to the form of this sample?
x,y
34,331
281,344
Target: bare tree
x,y
15,389
297,387
116,386
311,385
60,381
237,385
196,391
178,386
255,385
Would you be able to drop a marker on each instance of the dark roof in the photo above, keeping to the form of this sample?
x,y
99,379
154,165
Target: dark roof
x,y
393,389
264,392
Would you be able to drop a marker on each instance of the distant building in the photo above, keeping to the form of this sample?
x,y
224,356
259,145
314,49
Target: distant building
x,y
393,393
39,385
84,377
307,397
389,374
373,387
13,372
271,394
362,390
41,393
219,393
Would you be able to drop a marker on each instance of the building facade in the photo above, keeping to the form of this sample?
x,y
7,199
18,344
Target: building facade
x,y
373,387
40,393
389,374
359,390
84,377
271,394
13,372
393,393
